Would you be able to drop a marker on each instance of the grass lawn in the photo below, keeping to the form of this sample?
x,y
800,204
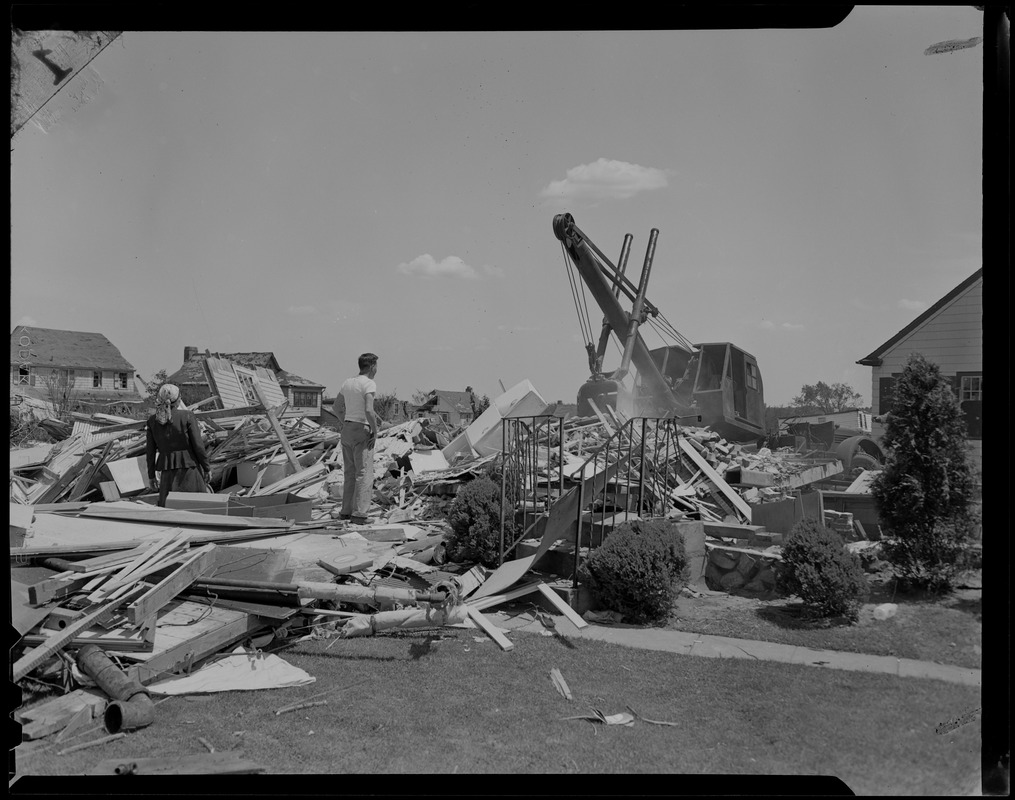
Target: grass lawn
x,y
947,630
444,703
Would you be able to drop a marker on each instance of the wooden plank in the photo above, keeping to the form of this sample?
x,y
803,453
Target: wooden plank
x,y
156,546
481,603
273,420
55,715
36,656
109,491
488,627
177,517
86,479
120,640
219,413
57,587
728,530
561,606
192,650
728,492
56,489
155,598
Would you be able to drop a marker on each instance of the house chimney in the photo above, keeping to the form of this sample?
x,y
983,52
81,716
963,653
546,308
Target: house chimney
x,y
188,353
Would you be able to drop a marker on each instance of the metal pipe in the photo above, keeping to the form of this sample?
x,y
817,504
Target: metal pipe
x,y
503,482
131,707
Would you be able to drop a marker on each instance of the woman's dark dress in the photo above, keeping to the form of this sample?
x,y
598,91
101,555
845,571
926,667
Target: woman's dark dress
x,y
181,460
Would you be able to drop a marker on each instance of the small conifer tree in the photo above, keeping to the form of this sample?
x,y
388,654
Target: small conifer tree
x,y
924,494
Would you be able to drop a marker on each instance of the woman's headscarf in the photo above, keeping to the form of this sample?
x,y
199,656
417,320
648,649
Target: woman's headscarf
x,y
165,401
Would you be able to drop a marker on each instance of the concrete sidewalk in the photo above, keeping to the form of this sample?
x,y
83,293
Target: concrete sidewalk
x,y
698,644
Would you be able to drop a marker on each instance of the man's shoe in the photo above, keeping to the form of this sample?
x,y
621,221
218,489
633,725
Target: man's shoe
x,y
359,520
345,516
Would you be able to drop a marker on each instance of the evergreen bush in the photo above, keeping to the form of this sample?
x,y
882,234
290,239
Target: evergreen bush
x,y
637,569
924,495
474,517
818,568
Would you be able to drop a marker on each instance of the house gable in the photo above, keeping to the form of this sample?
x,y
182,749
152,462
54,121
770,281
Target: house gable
x,y
973,285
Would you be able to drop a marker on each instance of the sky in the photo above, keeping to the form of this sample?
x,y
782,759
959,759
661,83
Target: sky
x,y
320,195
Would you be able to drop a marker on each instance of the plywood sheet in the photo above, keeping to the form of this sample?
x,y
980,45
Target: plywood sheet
x,y
129,474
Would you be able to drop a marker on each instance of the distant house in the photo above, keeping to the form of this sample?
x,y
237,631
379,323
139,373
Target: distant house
x,y
55,370
455,408
854,420
950,334
304,396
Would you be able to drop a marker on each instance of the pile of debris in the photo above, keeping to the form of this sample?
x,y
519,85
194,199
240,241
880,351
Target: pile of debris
x,y
106,583
117,599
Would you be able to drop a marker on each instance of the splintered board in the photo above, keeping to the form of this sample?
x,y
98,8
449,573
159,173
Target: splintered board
x,y
185,633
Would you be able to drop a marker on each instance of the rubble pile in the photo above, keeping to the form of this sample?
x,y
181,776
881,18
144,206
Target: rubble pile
x,y
263,558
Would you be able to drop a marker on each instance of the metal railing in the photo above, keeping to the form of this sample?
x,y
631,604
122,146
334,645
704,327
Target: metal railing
x,y
634,472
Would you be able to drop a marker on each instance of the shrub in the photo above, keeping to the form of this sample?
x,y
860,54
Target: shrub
x,y
822,572
474,517
637,569
924,495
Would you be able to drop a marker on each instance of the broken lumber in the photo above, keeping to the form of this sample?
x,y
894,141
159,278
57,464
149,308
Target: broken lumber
x,y
728,492
182,577
37,655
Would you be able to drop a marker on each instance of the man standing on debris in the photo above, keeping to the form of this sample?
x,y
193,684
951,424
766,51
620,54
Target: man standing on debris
x,y
173,431
360,424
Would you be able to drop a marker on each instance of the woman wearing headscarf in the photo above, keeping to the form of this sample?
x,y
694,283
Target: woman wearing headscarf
x,y
173,432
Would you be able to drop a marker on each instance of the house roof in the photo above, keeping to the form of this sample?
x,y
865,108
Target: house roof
x,y
48,347
453,401
875,358
192,372
286,378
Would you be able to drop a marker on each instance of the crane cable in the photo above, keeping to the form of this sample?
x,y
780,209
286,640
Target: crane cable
x,y
584,321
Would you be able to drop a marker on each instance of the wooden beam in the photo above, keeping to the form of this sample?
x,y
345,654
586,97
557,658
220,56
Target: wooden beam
x,y
219,413
194,650
728,492
54,491
488,627
558,602
273,419
36,656
180,579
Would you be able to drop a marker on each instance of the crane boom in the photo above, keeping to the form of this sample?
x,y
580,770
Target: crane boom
x,y
717,381
601,276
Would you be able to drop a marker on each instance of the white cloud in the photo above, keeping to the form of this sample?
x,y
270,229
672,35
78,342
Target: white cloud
x,y
606,179
450,267
301,310
912,305
768,325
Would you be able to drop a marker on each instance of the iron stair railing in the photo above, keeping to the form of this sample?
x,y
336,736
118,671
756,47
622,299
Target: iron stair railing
x,y
634,470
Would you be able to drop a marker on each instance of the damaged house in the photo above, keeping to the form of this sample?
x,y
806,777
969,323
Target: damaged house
x,y
454,408
305,397
54,371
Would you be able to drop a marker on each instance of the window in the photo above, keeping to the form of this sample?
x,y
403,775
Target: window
x,y
96,380
970,386
25,376
246,379
305,399
752,376
121,380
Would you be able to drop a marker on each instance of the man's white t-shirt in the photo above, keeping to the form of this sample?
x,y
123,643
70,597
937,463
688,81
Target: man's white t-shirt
x,y
355,391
